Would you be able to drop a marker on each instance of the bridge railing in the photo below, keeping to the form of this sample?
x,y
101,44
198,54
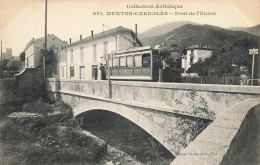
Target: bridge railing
x,y
219,80
184,98
89,87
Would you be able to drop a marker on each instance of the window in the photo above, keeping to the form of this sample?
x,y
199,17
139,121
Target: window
x,y
62,71
71,56
115,63
110,56
72,71
146,60
129,61
53,39
82,72
94,53
200,59
191,60
105,47
138,61
81,55
122,62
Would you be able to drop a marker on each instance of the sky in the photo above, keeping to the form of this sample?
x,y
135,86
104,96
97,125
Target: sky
x,y
22,20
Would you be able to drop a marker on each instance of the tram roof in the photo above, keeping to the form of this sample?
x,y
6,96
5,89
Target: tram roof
x,y
142,49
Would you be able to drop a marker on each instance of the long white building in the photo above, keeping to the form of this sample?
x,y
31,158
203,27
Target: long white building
x,y
81,59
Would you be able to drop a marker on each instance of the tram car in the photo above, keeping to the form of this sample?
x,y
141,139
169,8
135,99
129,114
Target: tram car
x,y
141,63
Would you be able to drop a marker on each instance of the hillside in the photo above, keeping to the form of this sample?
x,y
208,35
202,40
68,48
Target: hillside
x,y
164,28
190,34
255,30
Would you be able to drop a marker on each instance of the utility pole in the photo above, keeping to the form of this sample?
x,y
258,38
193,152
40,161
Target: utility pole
x,y
45,49
108,77
1,51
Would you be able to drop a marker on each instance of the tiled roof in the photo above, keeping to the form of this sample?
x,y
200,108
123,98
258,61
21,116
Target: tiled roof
x,y
105,33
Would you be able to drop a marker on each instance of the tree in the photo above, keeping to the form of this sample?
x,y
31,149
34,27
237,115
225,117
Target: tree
x,y
228,61
14,65
3,64
51,60
22,56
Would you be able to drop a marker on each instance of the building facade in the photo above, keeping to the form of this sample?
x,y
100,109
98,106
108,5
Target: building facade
x,y
82,59
33,50
194,54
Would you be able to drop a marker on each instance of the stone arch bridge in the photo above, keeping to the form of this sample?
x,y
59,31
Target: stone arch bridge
x,y
164,110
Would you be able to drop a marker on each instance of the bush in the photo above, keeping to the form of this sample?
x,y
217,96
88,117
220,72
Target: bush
x,y
37,106
39,141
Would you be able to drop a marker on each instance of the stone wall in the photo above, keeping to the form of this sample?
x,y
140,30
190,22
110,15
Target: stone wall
x,y
30,78
201,100
248,133
223,140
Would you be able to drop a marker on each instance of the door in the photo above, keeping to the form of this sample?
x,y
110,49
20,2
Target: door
x,y
94,72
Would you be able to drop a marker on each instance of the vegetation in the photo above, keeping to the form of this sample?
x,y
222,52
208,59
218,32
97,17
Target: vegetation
x,y
42,138
45,140
9,67
22,56
51,60
230,61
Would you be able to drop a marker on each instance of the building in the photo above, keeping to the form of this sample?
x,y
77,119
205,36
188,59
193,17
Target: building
x,y
7,54
194,54
33,50
81,59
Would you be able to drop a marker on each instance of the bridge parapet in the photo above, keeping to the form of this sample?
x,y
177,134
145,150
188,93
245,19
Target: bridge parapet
x,y
201,100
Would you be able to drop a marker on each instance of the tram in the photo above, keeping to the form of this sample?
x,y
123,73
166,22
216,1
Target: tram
x,y
140,63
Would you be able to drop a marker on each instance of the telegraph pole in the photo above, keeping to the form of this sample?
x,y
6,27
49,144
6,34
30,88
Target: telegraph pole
x,y
45,49
1,51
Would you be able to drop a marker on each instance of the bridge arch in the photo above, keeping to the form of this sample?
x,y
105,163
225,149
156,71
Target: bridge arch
x,y
131,114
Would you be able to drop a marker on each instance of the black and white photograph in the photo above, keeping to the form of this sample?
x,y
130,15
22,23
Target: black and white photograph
x,y
130,82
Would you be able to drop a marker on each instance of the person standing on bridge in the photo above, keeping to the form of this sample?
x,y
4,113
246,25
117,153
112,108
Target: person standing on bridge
x,y
103,73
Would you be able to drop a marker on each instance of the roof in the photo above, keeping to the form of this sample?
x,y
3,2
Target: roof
x,y
133,49
199,46
113,31
144,48
38,39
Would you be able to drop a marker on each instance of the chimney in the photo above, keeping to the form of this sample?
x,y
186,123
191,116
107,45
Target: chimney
x,y
92,33
80,37
135,34
70,40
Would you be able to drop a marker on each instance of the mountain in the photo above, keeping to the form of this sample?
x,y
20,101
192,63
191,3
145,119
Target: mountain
x,y
190,34
162,29
255,30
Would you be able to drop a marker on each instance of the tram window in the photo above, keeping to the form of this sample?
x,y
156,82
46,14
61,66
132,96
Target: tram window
x,y
138,61
115,63
122,62
129,61
146,60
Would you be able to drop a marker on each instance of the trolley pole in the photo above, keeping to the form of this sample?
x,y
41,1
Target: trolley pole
x,y
253,52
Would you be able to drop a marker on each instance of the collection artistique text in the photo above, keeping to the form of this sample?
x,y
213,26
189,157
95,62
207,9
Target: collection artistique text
x,y
155,6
